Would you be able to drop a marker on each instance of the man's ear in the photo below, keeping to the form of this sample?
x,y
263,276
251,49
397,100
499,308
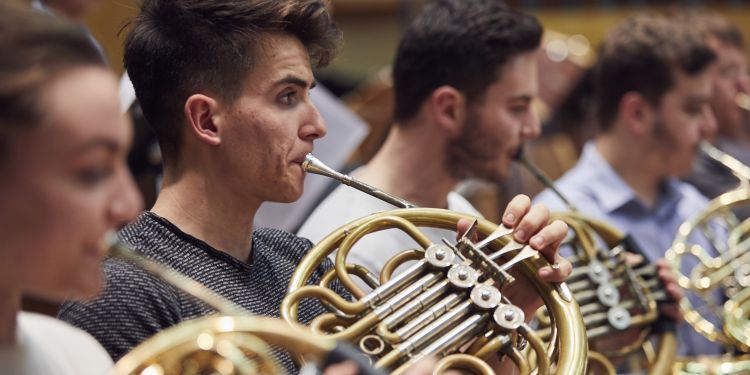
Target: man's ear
x,y
448,108
200,113
637,114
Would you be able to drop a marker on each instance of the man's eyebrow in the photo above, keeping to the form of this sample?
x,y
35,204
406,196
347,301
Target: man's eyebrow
x,y
296,81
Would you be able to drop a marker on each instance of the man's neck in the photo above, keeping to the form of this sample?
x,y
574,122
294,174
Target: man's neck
x,y
633,165
411,165
10,304
200,206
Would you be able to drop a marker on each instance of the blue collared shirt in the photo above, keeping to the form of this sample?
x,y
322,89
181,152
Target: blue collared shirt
x,y
597,191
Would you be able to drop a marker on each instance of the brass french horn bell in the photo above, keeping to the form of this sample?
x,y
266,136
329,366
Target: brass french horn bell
x,y
719,276
449,302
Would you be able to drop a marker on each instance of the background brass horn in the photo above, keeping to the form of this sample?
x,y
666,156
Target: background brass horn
x,y
716,281
448,302
720,273
234,342
615,297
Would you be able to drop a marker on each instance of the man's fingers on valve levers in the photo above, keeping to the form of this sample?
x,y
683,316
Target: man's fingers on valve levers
x,y
547,242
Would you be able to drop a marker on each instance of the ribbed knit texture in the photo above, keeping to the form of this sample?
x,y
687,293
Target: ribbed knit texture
x,y
135,305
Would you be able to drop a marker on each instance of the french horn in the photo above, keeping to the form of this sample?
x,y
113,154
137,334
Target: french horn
x,y
716,279
448,302
233,342
616,298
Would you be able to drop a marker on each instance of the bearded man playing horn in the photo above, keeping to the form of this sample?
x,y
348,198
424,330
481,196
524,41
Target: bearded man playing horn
x,y
224,84
653,87
463,108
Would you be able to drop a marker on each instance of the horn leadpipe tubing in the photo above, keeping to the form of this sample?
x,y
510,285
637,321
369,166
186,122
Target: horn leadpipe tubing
x,y
521,158
313,165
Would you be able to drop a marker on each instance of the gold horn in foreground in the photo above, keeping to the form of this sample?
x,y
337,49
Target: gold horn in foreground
x,y
234,342
448,300
618,300
222,345
715,274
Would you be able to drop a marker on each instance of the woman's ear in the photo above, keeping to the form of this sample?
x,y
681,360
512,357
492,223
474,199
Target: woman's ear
x,y
200,111
448,108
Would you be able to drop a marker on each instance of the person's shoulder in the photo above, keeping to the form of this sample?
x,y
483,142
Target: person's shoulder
x,y
125,287
339,201
281,242
691,196
59,333
44,325
64,343
150,234
342,206
286,251
457,202
573,185
137,229
577,177
549,199
145,234
133,306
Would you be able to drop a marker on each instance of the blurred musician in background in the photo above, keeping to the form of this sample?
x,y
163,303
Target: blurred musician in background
x,y
731,87
653,87
464,78
64,185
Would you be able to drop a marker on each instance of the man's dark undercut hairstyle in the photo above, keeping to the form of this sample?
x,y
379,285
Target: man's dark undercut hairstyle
x,y
459,43
643,55
36,50
178,48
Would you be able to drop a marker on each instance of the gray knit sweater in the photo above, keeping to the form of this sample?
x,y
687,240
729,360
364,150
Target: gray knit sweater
x,y
135,305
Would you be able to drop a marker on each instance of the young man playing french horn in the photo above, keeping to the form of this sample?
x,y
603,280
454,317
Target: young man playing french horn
x,y
463,108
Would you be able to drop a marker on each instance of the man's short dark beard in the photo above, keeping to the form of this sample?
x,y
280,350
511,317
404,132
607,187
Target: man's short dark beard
x,y
472,154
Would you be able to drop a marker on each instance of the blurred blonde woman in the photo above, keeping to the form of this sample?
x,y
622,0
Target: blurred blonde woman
x,y
63,185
